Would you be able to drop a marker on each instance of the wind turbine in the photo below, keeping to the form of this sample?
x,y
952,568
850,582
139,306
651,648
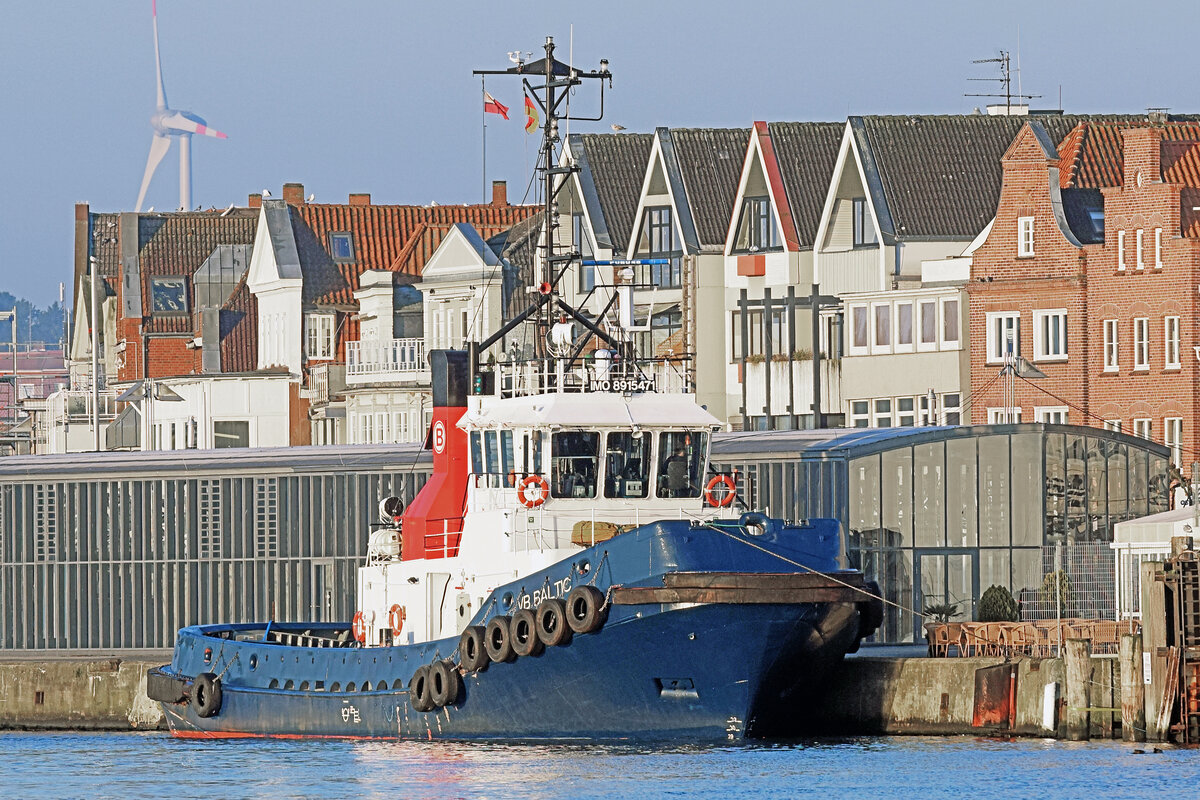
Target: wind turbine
x,y
168,122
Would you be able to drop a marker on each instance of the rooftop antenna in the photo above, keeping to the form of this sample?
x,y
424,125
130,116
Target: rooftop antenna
x,y
1005,81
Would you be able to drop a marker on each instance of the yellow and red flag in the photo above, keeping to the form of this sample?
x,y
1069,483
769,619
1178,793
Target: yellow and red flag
x,y
492,106
531,115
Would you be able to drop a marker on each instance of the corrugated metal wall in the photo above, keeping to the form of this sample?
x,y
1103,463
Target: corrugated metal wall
x,y
124,563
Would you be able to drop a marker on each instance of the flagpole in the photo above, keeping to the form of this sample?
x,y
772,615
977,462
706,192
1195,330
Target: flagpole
x,y
483,119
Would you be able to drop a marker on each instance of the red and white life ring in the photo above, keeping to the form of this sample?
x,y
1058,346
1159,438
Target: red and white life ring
x,y
533,491
359,627
730,490
396,617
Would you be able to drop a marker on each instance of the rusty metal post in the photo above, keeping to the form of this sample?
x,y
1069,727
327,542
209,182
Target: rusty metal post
x,y
1133,689
1079,675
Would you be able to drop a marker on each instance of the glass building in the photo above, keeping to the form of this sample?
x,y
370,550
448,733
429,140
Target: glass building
x,y
937,515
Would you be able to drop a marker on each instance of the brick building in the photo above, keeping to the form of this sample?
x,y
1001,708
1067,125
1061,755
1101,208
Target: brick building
x,y
1089,274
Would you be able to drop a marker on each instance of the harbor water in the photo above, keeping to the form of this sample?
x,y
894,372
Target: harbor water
x,y
110,765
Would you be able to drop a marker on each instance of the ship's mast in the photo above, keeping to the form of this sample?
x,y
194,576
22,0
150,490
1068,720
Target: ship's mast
x,y
550,97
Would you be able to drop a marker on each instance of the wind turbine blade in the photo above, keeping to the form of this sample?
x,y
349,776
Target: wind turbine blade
x,y
158,149
184,122
162,93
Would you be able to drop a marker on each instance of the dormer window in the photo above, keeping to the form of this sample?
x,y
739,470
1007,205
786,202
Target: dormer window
x,y
657,241
168,295
341,247
757,230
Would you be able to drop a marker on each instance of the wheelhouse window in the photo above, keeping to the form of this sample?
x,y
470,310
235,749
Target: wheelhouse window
x,y
168,295
492,458
757,230
681,463
574,456
341,247
627,465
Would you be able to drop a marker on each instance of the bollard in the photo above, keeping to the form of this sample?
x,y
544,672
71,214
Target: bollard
x,y
1079,677
1133,689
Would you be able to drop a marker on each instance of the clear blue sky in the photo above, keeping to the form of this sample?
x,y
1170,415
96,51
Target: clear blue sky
x,y
377,96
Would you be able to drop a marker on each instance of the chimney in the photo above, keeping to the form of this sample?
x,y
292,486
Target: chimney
x,y
255,201
1142,152
499,193
293,194
360,199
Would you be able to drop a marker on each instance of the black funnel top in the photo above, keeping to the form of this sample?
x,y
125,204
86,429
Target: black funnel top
x,y
450,377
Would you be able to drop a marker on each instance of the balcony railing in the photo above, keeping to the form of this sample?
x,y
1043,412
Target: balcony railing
x,y
326,381
390,359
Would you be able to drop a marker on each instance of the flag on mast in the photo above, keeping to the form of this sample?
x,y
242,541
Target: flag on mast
x,y
493,106
531,115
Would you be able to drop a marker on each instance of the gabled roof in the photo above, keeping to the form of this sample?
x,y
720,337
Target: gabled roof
x,y
1091,155
389,238
806,153
938,177
708,163
611,169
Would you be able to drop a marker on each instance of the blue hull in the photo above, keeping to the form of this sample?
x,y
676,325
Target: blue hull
x,y
662,670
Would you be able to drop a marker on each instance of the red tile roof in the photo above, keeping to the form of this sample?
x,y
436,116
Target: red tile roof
x,y
391,238
1091,154
239,331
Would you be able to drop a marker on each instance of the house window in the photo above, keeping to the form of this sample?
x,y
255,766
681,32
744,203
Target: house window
x,y
1173,438
1110,345
1141,262
950,323
341,247
757,229
735,340
653,343
1051,414
929,325
168,295
1003,336
1112,425
658,241
754,327
883,325
952,409
864,230
1050,335
579,237
1025,237
778,331
231,433
858,328
904,326
883,413
1121,250
1142,428
1158,248
860,414
906,415
1171,342
1141,343
319,335
1002,416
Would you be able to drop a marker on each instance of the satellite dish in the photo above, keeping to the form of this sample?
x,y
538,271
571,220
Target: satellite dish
x,y
390,509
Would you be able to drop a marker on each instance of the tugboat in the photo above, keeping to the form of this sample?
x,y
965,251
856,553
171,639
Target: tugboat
x,y
572,568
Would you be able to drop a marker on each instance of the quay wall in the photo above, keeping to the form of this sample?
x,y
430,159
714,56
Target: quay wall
x,y
77,694
867,695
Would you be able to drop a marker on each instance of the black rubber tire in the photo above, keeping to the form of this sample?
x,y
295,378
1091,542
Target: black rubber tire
x,y
444,683
418,690
870,611
206,694
552,626
498,641
524,634
586,609
472,653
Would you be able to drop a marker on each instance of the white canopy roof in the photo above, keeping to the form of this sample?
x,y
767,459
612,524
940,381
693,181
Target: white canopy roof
x,y
587,410
1156,528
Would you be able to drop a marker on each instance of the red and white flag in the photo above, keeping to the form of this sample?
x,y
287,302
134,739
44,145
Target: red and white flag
x,y
492,106
531,115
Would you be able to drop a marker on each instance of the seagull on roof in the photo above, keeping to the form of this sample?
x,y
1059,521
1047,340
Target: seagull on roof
x,y
266,193
311,197
617,127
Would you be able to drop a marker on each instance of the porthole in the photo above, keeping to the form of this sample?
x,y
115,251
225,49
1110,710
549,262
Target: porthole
x,y
254,661
507,599
584,566
290,684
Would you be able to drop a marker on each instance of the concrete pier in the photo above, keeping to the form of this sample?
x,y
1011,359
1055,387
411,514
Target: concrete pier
x,y
78,693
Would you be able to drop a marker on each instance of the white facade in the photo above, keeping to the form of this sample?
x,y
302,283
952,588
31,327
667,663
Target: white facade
x,y
217,411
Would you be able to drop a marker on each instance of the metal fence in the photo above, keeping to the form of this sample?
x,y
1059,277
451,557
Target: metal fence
x,y
1076,583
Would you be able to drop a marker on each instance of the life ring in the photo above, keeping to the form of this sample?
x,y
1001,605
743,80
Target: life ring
x,y
713,483
359,627
532,497
396,617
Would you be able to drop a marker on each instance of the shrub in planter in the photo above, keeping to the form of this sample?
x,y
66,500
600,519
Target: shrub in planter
x,y
997,605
